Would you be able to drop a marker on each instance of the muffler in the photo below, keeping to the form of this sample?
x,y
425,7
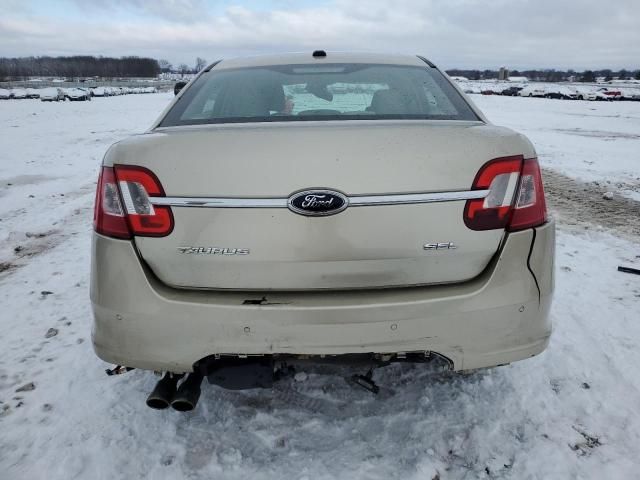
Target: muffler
x,y
161,396
188,394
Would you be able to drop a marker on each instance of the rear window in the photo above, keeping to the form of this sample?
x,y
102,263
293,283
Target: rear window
x,y
283,93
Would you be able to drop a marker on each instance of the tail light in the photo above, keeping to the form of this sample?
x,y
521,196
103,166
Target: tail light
x,y
123,207
516,196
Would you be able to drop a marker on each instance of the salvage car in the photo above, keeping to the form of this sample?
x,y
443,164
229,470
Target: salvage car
x,y
76,94
52,94
18,93
320,207
532,91
561,92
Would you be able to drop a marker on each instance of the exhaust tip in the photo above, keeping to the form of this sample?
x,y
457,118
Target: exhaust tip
x,y
161,396
157,403
182,405
188,394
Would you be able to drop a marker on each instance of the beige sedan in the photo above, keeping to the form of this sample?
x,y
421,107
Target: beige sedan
x,y
352,208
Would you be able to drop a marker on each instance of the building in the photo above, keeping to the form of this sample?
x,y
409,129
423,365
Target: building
x,y
503,74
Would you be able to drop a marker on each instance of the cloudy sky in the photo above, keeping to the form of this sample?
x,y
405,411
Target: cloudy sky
x,y
575,34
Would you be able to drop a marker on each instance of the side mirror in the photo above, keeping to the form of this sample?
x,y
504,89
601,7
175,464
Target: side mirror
x,y
178,86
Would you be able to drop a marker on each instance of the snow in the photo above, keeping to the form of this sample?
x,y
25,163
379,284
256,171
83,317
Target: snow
x,y
571,412
589,141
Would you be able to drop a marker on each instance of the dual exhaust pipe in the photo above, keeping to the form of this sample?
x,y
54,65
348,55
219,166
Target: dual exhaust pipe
x,y
183,398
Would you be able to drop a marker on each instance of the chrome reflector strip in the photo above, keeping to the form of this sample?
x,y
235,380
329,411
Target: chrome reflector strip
x,y
216,202
409,198
354,201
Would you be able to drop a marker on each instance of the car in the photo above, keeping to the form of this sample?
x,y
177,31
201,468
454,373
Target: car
x,y
632,94
33,93
76,94
295,209
87,93
52,94
5,94
532,91
99,92
611,94
18,93
561,92
511,91
470,88
592,94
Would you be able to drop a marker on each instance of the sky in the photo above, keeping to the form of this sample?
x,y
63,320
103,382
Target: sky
x,y
578,34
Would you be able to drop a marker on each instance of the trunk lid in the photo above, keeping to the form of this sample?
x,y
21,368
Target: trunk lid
x,y
360,247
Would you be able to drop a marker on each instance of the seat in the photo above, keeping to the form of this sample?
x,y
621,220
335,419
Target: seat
x,y
393,102
249,99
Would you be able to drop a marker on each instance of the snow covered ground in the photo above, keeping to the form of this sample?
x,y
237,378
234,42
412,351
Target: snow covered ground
x,y
571,412
590,141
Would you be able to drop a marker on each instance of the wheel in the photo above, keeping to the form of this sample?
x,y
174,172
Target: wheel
x,y
531,94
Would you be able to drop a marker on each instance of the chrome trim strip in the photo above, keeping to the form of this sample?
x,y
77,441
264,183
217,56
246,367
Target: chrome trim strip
x,y
410,198
354,201
216,202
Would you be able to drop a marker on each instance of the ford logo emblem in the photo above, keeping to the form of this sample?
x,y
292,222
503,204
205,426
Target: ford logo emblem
x,y
317,203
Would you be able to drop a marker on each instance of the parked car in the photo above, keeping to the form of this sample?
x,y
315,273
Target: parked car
x,y
632,94
99,92
5,94
592,94
33,93
87,93
466,88
532,91
396,225
511,91
52,94
610,93
561,92
76,94
18,93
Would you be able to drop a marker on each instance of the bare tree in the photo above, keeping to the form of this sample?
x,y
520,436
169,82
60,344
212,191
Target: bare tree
x,y
164,65
183,68
200,64
78,66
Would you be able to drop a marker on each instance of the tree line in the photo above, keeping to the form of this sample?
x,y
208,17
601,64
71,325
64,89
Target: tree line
x,y
77,66
551,75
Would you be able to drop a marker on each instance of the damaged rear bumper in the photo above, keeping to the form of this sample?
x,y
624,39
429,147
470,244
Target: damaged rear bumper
x,y
497,318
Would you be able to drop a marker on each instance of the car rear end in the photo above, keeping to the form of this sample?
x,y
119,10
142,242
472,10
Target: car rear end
x,y
321,206
49,94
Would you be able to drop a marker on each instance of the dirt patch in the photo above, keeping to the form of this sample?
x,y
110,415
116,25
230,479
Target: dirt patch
x,y
6,266
578,203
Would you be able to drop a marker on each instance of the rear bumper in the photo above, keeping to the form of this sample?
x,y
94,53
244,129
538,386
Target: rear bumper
x,y
499,317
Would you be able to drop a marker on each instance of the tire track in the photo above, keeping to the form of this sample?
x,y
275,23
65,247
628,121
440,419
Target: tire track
x,y
576,203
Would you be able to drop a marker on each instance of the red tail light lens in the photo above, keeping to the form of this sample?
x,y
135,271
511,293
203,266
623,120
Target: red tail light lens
x,y
500,177
530,209
137,185
108,214
123,204
515,200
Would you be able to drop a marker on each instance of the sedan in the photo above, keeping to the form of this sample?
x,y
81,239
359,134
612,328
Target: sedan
x,y
52,94
77,94
341,208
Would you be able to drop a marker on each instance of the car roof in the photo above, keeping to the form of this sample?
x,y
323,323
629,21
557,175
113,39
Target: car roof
x,y
308,58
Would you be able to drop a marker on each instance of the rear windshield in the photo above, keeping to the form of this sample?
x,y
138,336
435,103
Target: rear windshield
x,y
319,92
